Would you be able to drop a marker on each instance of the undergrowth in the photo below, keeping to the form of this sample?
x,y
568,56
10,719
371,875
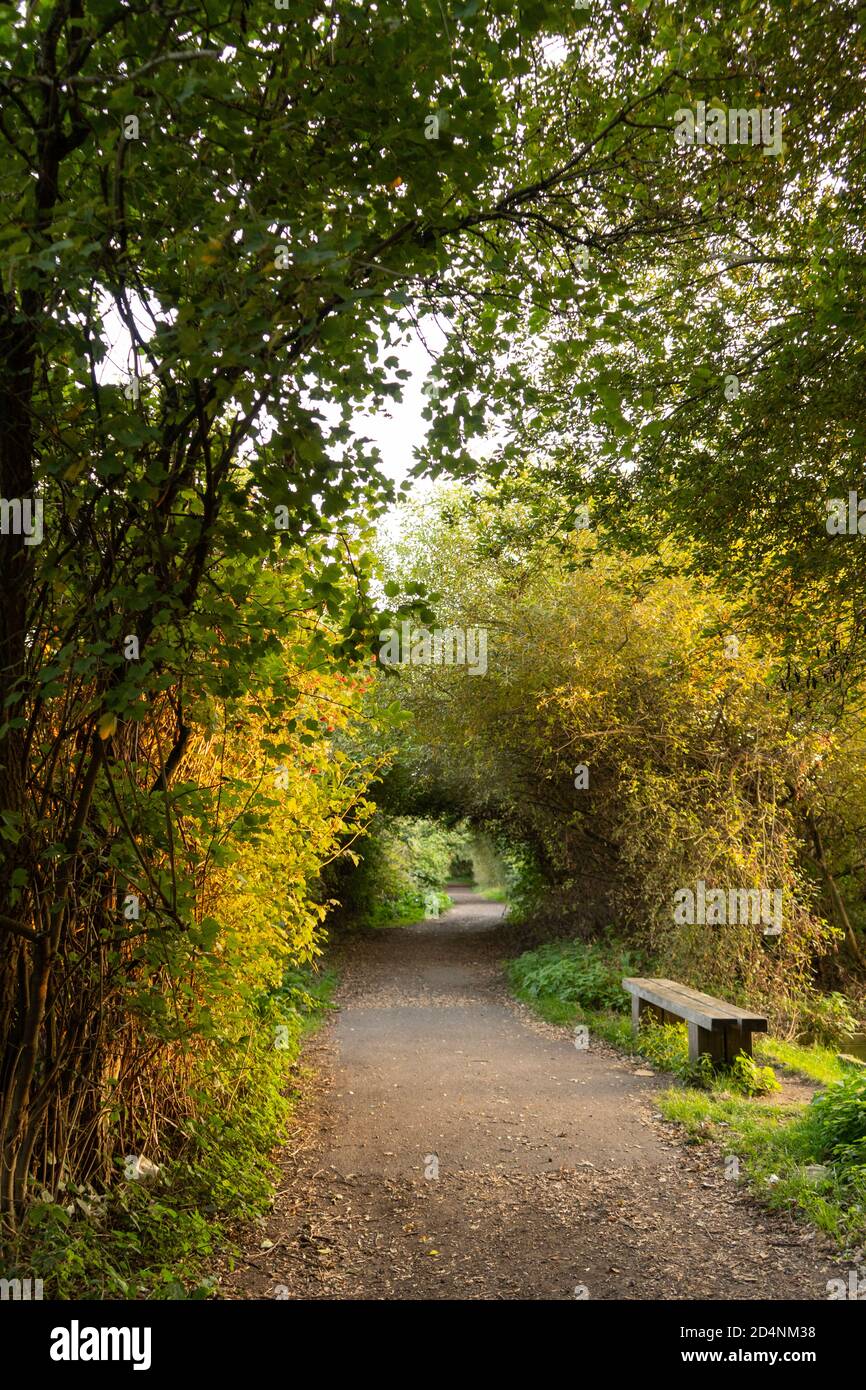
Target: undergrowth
x,y
153,1237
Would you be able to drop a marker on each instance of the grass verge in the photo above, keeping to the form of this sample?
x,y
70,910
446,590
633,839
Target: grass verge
x,y
774,1149
814,1063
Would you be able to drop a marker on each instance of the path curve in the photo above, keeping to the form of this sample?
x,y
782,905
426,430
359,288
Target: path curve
x,y
450,1145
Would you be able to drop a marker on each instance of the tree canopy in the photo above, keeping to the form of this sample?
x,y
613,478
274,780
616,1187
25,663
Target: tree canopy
x,y
221,225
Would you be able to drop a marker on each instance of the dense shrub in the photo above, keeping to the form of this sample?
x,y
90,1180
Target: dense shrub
x,y
825,1019
574,973
836,1121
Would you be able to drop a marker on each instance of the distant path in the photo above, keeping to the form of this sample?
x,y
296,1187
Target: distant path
x,y
553,1171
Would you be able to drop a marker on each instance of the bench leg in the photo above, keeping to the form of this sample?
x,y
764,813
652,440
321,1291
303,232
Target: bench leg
x,y
722,1046
703,1040
642,1006
737,1040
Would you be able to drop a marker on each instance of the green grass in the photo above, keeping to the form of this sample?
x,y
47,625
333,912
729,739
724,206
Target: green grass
x,y
614,1028
610,1027
812,1062
493,895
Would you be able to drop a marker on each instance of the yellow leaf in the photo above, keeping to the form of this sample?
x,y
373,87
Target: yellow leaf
x,y
107,725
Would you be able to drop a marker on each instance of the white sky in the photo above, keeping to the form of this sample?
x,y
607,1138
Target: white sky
x,y
396,429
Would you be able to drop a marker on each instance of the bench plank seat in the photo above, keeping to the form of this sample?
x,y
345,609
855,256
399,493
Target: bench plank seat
x,y
716,1027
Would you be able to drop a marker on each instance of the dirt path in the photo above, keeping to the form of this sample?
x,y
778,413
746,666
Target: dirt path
x,y
555,1178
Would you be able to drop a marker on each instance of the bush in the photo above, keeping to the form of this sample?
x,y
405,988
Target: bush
x,y
836,1122
826,1019
574,972
746,1075
153,1239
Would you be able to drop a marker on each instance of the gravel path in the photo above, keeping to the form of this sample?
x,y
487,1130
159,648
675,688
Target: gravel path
x,y
449,1145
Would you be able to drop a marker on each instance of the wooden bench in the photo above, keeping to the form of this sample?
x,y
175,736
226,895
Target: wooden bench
x,y
719,1029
